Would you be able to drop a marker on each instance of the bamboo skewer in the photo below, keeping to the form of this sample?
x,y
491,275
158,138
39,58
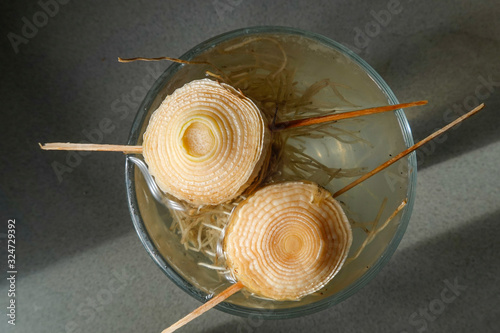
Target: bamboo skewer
x,y
205,307
91,147
345,115
276,127
409,150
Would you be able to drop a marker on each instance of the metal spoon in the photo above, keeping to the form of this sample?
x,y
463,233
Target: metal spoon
x,y
153,188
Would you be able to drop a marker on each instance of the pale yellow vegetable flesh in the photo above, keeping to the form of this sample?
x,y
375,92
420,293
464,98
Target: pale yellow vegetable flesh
x,y
206,143
287,240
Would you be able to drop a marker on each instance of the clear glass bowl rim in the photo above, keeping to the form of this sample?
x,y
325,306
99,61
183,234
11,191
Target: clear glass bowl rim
x,y
240,310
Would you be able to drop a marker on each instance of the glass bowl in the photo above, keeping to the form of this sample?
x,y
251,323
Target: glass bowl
x,y
349,147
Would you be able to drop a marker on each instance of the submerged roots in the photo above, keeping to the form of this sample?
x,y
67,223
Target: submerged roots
x,y
201,230
372,229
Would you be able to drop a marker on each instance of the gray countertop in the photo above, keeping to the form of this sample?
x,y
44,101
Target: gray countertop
x,y
81,266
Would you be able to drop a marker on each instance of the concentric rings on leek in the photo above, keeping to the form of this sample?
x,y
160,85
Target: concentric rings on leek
x,y
287,240
206,143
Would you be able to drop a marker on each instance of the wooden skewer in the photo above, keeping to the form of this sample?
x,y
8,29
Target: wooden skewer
x,y
409,150
91,147
205,307
277,127
345,115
